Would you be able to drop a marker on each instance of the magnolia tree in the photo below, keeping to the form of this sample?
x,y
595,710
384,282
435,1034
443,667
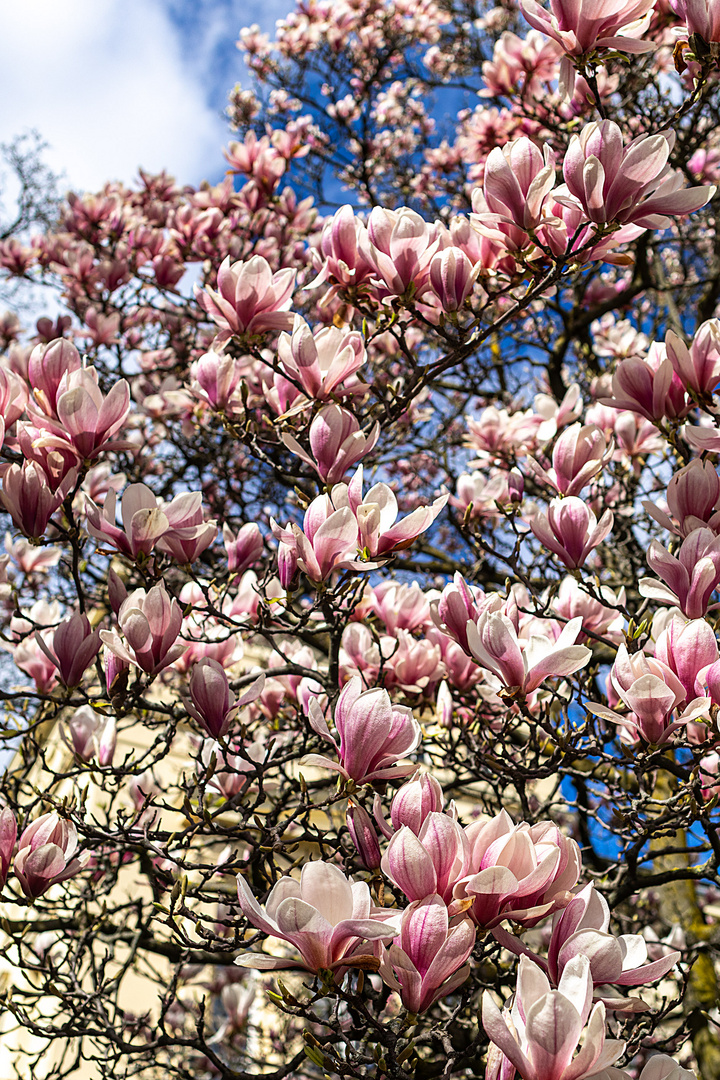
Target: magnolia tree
x,y
362,569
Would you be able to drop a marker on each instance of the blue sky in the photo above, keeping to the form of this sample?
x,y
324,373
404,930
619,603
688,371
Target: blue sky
x,y
112,85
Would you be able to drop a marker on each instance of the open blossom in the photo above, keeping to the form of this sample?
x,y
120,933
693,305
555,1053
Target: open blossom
x,y
179,524
518,179
494,643
520,872
579,28
374,735
90,735
87,419
627,184
340,527
250,299
324,363
702,17
47,365
542,1033
322,915
698,366
336,443
459,604
579,454
599,616
402,245
690,577
378,531
689,648
45,854
648,386
399,605
652,692
427,960
570,530
150,622
326,542
581,929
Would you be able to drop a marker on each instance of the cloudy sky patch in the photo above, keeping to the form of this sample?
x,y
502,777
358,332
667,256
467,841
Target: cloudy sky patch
x,y
112,85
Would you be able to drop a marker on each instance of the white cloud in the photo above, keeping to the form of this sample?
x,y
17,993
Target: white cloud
x,y
106,85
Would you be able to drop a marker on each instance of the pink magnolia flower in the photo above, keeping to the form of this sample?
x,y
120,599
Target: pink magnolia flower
x,y
627,184
452,278
415,665
427,960
652,692
87,419
74,647
401,245
250,298
581,929
374,735
150,622
541,1034
399,605
579,454
8,836
45,854
214,378
580,28
702,17
459,604
518,179
213,704
520,872
495,645
323,916
90,735
375,512
326,542
323,363
688,648
364,835
698,367
570,530
336,442
28,498
420,796
179,524
649,387
13,397
479,495
690,577
47,365
31,659
245,549
433,861
343,258
188,533
599,616
692,496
